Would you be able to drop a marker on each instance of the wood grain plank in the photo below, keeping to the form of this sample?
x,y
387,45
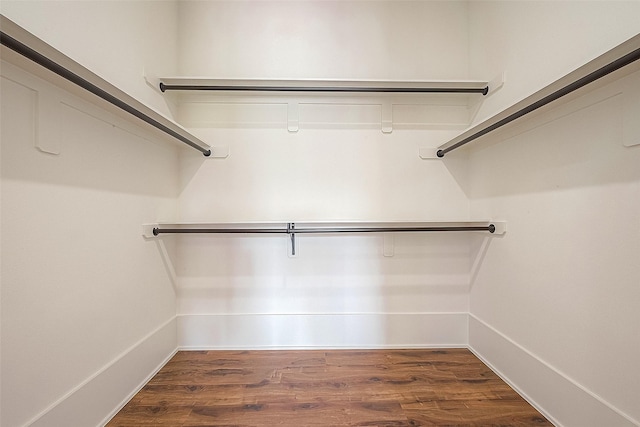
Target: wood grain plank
x,y
142,415
442,387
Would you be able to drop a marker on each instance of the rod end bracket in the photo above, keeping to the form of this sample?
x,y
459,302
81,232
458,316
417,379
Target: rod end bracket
x,y
217,152
427,153
150,231
498,227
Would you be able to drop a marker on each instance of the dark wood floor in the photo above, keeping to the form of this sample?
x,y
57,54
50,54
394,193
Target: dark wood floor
x,y
327,388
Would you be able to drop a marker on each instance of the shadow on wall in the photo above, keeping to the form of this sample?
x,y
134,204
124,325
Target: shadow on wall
x,y
190,163
552,148
479,246
339,291
96,150
167,251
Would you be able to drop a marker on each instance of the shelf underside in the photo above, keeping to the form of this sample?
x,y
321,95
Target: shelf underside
x,y
373,104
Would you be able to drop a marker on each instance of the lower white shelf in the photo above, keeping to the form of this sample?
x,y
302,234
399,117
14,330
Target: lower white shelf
x,y
292,229
300,227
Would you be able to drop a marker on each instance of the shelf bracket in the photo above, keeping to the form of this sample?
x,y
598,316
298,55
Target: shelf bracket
x,y
152,80
630,123
219,152
388,249
293,117
147,231
500,227
48,120
387,117
496,83
426,153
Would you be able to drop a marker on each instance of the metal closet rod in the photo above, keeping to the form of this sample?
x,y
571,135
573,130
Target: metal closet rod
x,y
345,89
292,230
53,66
589,78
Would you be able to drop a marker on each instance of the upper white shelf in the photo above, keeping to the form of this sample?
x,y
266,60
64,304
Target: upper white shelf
x,y
208,102
323,86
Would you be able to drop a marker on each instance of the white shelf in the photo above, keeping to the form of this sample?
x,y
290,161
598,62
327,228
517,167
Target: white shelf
x,y
281,226
292,229
85,84
546,95
208,102
375,86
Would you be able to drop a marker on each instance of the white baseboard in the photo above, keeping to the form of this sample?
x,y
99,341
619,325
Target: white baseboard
x,y
330,330
559,398
96,400
563,401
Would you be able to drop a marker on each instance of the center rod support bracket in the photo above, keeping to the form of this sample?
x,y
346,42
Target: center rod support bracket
x,y
291,231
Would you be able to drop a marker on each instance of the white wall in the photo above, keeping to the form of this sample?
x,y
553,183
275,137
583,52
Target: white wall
x,y
562,284
324,40
536,42
553,307
319,175
118,40
340,291
88,308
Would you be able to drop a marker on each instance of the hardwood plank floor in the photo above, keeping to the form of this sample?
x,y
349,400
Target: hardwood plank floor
x,y
327,388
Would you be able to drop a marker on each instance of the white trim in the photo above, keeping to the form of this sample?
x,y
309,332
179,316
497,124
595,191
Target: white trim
x,y
322,330
139,387
324,347
506,379
546,365
404,317
106,367
328,313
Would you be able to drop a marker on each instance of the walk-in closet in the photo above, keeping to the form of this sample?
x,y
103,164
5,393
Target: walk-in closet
x,y
320,213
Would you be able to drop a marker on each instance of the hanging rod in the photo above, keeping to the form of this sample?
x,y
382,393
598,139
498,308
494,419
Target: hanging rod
x,y
291,229
591,77
44,61
336,89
